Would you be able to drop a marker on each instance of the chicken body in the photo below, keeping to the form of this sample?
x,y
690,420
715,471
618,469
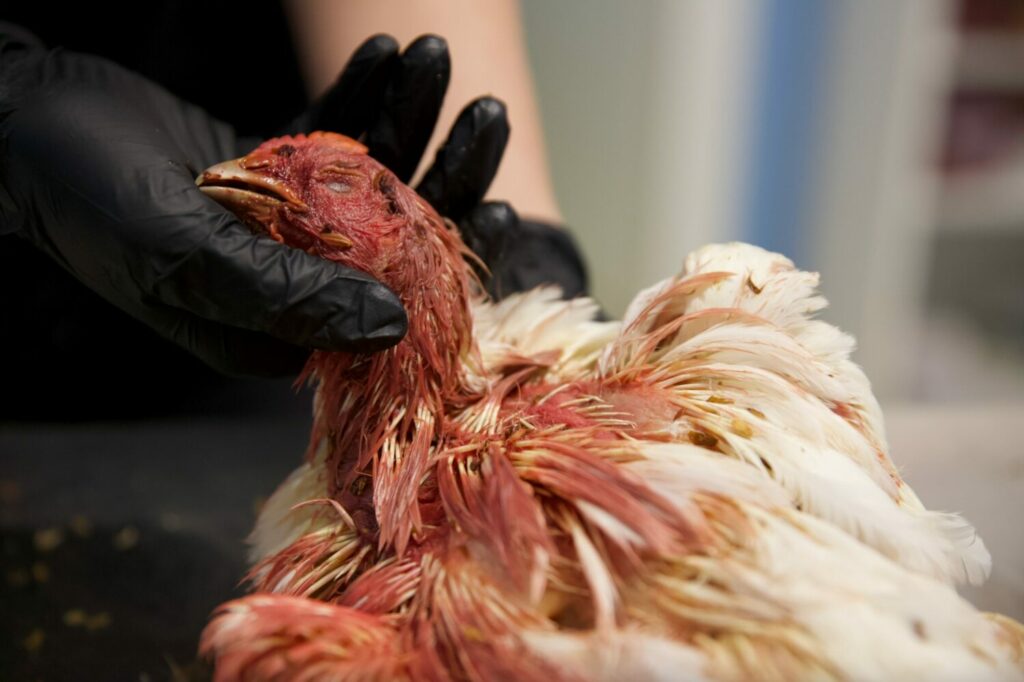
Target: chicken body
x,y
702,491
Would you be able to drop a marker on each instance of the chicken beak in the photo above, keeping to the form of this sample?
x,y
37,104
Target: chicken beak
x,y
246,192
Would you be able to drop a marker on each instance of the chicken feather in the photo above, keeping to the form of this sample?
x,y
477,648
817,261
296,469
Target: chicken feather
x,y
516,491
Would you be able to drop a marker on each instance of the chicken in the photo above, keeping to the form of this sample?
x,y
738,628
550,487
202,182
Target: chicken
x,y
516,491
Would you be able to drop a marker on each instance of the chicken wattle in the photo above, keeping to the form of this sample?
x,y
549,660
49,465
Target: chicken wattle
x,y
515,491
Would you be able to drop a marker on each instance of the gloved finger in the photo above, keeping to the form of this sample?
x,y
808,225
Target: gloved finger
x,y
488,229
255,283
229,350
350,105
467,162
412,102
214,267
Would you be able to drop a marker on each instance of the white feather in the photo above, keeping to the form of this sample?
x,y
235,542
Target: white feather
x,y
678,470
874,619
618,655
536,322
773,360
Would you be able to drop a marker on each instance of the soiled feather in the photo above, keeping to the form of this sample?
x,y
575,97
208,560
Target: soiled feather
x,y
793,452
517,492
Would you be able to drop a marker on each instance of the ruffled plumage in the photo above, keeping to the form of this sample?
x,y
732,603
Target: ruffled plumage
x,y
515,491
700,492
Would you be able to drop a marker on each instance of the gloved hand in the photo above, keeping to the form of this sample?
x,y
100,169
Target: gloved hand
x,y
97,167
518,254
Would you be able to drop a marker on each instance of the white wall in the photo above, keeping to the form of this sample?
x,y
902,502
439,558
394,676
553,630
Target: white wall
x,y
874,216
647,108
644,107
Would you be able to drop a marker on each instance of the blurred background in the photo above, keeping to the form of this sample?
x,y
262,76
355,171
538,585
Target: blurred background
x,y
879,142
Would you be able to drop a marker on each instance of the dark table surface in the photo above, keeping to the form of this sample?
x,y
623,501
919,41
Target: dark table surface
x,y
118,539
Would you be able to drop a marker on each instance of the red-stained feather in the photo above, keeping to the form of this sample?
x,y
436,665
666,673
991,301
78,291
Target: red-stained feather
x,y
448,524
289,639
384,588
476,508
499,514
577,473
443,533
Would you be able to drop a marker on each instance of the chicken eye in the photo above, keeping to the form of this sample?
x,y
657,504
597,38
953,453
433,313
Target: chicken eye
x,y
339,187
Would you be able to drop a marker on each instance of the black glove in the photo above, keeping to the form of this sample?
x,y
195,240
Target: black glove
x,y
518,254
536,253
97,167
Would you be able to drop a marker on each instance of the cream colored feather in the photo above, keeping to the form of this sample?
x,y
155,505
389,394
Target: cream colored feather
x,y
823,563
